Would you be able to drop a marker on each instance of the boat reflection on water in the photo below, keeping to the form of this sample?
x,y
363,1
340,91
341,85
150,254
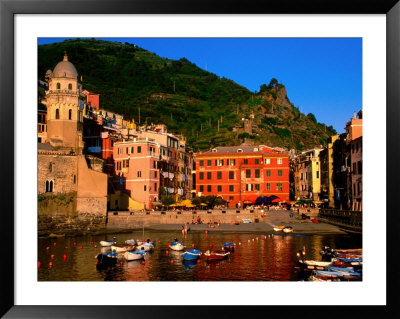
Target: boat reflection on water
x,y
256,257
189,264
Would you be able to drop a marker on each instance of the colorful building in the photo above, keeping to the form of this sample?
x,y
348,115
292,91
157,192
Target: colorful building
x,y
308,175
136,171
241,174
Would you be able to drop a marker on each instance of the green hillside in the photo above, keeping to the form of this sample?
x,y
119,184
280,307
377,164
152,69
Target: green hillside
x,y
191,101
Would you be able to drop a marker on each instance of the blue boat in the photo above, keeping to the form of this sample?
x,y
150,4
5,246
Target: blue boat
x,y
349,260
352,272
108,259
228,246
192,254
176,245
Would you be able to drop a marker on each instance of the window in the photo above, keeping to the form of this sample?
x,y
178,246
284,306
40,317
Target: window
x,y
50,167
70,114
139,174
279,172
359,188
154,164
230,197
155,174
249,187
57,114
155,186
267,161
201,188
119,150
74,179
317,174
219,175
145,187
58,86
257,173
279,186
208,162
257,187
231,188
208,175
139,149
49,186
354,168
209,188
127,150
231,175
268,186
69,86
256,161
245,161
279,161
248,173
219,188
201,175
219,162
268,173
354,189
201,163
131,150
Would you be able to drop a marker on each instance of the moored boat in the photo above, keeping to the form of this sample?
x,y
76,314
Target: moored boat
x,y
176,245
216,255
279,228
145,246
107,259
107,243
314,265
122,248
228,246
192,254
134,255
130,242
288,229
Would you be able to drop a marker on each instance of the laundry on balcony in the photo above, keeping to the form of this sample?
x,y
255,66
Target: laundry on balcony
x,y
165,174
183,177
171,175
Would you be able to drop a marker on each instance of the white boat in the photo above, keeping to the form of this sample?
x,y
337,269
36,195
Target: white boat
x,y
123,248
145,246
279,228
288,229
130,241
107,243
134,255
176,245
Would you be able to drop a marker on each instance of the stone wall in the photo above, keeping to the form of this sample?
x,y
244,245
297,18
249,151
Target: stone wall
x,y
137,219
59,168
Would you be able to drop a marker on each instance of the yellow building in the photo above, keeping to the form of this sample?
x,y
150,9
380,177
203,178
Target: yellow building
x,y
308,175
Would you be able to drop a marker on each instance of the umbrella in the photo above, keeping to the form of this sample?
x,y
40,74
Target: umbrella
x,y
262,200
203,204
247,202
187,203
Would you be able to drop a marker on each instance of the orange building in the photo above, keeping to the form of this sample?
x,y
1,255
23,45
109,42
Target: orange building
x,y
136,172
240,174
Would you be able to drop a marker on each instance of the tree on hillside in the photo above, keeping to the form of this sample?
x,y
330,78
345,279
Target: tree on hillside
x,y
312,117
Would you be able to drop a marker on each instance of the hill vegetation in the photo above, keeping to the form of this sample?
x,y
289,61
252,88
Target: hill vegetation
x,y
204,107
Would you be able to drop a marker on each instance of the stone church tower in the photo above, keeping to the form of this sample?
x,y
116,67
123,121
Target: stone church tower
x,y
65,107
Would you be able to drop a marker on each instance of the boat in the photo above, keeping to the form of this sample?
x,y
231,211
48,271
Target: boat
x,y
288,229
341,275
145,246
122,248
192,254
216,255
351,271
246,221
134,255
279,228
228,246
130,242
107,259
142,241
176,245
107,243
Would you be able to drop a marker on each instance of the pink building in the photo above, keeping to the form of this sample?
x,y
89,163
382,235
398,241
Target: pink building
x,y
136,172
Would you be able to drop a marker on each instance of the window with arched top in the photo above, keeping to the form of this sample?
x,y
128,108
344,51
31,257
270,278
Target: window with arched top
x,y
58,86
49,186
70,114
70,86
57,114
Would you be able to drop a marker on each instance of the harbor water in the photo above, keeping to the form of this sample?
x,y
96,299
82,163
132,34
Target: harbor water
x,y
257,257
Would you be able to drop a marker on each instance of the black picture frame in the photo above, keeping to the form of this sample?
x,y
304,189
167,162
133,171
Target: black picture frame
x,y
8,10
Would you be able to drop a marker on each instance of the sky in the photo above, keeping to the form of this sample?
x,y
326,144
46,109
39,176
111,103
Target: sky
x,y
322,76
